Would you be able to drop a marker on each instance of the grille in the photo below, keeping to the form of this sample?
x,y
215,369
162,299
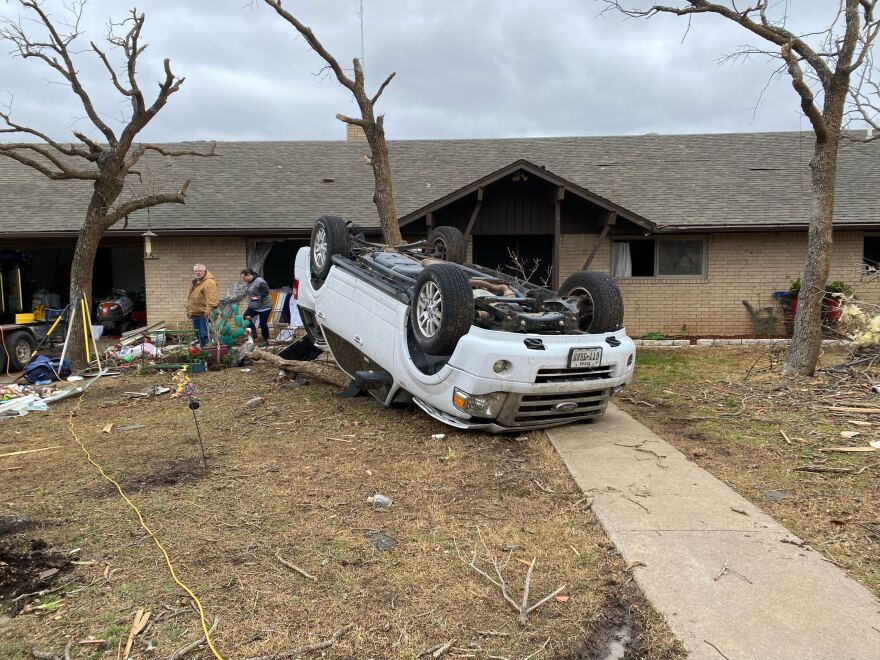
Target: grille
x,y
541,408
574,375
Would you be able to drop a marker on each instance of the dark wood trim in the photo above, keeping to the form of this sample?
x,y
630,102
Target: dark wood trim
x,y
557,223
536,171
608,222
473,220
429,221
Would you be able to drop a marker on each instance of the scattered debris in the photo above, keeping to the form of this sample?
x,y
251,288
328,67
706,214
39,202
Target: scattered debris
x,y
740,511
295,568
335,636
727,569
833,470
849,434
381,541
848,449
29,451
776,495
183,650
107,427
137,625
255,402
438,436
131,427
380,501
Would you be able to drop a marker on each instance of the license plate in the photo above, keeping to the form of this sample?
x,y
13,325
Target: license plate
x,y
584,357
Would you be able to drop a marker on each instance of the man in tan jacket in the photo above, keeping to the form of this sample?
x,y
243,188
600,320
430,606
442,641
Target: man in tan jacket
x,y
203,297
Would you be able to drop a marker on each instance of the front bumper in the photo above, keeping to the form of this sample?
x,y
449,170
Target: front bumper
x,y
542,390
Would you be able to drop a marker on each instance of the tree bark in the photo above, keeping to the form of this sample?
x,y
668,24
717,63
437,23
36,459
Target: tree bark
x,y
806,340
325,372
383,196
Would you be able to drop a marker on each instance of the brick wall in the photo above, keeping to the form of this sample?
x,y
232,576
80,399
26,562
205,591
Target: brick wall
x,y
168,278
740,267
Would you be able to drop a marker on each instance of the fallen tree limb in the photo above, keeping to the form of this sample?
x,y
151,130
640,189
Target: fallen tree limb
x,y
325,372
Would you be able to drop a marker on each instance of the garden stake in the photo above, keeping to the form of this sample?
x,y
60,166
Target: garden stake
x,y
194,405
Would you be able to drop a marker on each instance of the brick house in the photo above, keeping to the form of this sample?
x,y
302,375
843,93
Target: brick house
x,y
689,225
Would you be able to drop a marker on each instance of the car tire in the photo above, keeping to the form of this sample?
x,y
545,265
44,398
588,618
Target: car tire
x,y
330,237
448,243
442,308
601,305
19,346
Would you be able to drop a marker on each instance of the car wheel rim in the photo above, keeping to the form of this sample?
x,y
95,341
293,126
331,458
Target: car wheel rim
x,y
429,309
320,247
22,352
585,307
440,249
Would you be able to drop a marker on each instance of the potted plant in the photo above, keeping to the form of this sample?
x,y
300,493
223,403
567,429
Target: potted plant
x,y
832,303
794,291
196,360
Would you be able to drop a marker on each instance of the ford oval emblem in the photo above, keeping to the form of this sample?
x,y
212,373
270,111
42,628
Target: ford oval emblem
x,y
566,406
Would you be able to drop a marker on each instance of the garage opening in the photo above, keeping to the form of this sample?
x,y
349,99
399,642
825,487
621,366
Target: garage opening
x,y
528,256
278,267
32,273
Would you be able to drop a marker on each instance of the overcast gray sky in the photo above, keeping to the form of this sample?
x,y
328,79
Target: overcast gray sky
x,y
465,69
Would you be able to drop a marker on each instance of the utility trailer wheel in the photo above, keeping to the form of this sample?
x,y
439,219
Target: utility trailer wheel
x,y
19,345
448,244
330,236
601,305
442,308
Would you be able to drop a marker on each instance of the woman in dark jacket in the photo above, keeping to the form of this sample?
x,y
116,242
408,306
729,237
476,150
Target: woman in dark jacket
x,y
259,303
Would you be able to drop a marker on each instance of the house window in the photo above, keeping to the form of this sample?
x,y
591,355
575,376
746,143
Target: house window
x,y
871,255
659,258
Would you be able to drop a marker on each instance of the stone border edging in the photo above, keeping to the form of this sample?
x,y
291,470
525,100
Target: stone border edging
x,y
708,343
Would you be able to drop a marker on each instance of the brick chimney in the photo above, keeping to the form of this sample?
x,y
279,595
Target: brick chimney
x,y
354,133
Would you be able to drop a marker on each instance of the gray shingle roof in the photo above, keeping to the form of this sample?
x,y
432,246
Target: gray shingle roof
x,y
740,180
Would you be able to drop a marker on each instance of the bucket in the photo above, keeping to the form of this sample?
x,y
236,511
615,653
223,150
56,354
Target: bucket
x,y
97,331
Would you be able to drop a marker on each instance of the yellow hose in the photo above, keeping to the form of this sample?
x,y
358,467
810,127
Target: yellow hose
x,y
149,531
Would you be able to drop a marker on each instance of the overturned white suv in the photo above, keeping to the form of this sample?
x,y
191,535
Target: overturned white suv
x,y
472,347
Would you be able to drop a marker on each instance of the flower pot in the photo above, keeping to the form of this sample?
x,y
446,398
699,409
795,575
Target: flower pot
x,y
833,307
216,353
198,367
794,300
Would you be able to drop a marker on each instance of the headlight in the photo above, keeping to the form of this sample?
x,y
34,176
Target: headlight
x,y
479,405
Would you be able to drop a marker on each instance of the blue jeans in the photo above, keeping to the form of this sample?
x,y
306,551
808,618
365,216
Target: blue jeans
x,y
200,325
264,322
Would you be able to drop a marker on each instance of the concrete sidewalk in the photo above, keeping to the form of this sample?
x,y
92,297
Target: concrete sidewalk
x,y
775,599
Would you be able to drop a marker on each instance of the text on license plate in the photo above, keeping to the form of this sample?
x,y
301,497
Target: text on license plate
x,y
584,357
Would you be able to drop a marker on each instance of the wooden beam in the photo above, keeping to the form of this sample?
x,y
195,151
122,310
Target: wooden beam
x,y
607,223
429,221
470,225
557,229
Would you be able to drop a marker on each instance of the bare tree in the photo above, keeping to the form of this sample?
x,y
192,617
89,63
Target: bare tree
x,y
107,161
832,72
373,127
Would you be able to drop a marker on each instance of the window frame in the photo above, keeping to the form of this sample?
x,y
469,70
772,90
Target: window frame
x,y
657,240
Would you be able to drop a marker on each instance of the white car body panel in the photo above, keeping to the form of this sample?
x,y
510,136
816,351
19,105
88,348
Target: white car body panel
x,y
376,323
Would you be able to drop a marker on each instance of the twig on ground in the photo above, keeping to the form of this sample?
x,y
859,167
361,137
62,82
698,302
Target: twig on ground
x,y
523,608
787,439
67,649
544,488
438,650
44,592
834,470
543,646
318,646
636,503
741,511
192,646
727,569
293,567
716,648
492,633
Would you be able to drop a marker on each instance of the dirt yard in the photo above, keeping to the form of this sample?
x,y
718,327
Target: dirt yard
x,y
779,443
290,479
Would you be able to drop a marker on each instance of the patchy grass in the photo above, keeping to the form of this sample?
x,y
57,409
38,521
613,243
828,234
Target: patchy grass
x,y
727,408
292,477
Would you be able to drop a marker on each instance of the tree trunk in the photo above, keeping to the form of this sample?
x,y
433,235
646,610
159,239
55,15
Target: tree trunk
x,y
383,196
81,282
806,340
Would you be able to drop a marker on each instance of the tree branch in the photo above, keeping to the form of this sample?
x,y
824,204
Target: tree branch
x,y
117,214
806,94
143,148
10,150
382,88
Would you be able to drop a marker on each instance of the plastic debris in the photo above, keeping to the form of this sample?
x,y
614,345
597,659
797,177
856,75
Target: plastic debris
x,y
380,501
255,402
381,541
438,436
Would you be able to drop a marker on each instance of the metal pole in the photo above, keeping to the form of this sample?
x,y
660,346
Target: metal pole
x,y
193,405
